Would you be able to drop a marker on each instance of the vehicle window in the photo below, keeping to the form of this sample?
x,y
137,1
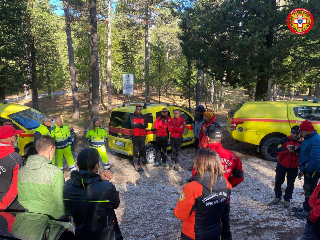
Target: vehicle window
x,y
120,119
310,113
158,114
29,118
186,117
149,118
234,110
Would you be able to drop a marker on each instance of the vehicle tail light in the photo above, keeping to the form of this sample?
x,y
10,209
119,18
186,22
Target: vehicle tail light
x,y
109,129
233,125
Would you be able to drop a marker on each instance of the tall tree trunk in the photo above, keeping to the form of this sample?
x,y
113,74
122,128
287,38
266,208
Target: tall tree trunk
x,y
189,82
101,86
212,91
147,53
33,75
275,94
291,93
198,87
159,68
73,80
316,91
167,71
48,84
310,91
32,63
94,59
269,90
2,93
109,87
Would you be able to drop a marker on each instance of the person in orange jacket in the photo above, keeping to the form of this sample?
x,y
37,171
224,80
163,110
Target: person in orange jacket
x,y
176,127
139,124
161,126
208,119
203,200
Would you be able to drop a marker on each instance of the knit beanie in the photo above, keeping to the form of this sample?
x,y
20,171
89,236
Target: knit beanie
x,y
306,126
208,114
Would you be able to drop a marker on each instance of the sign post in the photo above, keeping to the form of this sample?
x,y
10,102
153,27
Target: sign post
x,y
127,84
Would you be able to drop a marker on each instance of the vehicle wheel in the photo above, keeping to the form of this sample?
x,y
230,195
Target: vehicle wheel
x,y
269,148
151,153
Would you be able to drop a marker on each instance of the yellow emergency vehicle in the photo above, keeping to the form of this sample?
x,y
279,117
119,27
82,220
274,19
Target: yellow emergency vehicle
x,y
265,123
119,138
24,118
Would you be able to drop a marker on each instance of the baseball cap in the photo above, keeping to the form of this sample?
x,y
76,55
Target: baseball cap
x,y
8,131
214,131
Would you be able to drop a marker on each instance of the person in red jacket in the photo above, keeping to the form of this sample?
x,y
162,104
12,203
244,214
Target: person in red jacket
x,y
288,163
139,124
312,228
176,127
161,126
10,163
203,201
208,119
232,167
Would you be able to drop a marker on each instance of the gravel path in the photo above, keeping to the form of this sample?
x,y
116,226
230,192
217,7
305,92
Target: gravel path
x,y
148,198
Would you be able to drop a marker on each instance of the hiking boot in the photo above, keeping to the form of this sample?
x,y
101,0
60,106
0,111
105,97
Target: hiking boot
x,y
297,209
106,166
286,204
303,214
275,201
164,165
157,164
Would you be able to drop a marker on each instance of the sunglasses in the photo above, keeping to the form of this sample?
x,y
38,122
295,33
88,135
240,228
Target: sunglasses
x,y
295,132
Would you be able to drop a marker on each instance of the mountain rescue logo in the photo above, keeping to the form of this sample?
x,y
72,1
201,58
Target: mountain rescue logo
x,y
300,21
185,131
182,196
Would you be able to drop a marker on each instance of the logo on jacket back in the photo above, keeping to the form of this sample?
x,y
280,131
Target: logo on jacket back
x,y
2,169
182,196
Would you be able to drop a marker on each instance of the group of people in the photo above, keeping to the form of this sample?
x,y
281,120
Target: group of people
x,y
38,186
299,155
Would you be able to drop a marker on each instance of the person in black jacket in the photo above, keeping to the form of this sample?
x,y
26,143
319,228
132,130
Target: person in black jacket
x,y
91,198
139,124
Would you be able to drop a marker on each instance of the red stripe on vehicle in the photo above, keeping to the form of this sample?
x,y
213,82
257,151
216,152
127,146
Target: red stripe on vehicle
x,y
271,120
123,130
26,135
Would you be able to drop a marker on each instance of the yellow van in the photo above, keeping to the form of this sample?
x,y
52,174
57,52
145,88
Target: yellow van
x,y
24,118
119,138
265,123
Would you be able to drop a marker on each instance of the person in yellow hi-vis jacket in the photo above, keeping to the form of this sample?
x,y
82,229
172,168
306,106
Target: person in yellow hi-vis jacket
x,y
97,137
61,135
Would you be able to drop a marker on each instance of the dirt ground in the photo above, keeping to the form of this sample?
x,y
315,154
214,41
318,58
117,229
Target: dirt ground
x,y
148,198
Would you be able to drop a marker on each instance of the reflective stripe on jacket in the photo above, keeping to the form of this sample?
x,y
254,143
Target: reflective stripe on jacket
x,y
61,135
96,137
